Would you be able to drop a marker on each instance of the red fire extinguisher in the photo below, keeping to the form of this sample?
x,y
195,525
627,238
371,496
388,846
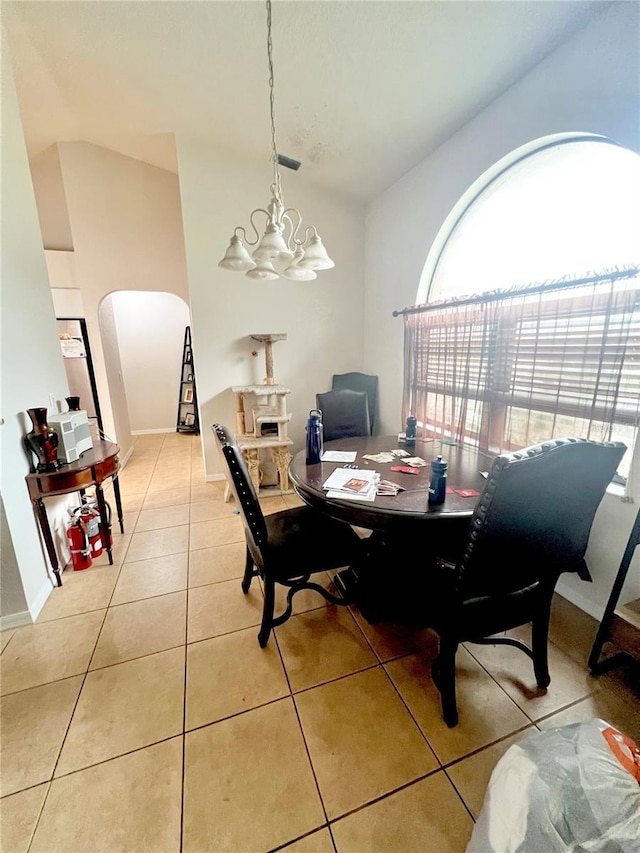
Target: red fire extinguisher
x,y
105,540
79,545
90,519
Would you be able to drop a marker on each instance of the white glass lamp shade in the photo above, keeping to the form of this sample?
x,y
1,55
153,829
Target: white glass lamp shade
x,y
315,256
298,273
263,270
236,257
272,246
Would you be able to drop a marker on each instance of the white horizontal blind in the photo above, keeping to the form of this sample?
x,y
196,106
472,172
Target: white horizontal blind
x,y
516,368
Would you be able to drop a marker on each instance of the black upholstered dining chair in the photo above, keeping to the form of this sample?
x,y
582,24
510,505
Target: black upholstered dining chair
x,y
366,382
286,547
531,523
345,414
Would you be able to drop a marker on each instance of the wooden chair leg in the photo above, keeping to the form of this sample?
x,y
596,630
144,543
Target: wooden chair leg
x,y
540,645
248,572
444,677
267,611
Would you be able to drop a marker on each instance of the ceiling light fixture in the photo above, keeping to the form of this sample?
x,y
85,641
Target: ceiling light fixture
x,y
279,243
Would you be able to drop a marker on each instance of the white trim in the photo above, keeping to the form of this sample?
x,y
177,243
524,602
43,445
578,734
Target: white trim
x,y
126,457
27,617
45,591
152,431
213,478
593,608
15,620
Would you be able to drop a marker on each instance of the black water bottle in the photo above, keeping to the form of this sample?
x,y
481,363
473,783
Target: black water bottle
x,y
314,437
438,482
410,430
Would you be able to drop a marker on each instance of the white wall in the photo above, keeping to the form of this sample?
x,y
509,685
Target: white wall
x,y
126,224
120,429
31,362
591,84
51,201
151,356
323,319
61,266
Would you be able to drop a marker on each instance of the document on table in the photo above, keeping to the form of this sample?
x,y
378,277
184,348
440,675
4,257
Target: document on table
x,y
343,495
383,456
338,456
352,484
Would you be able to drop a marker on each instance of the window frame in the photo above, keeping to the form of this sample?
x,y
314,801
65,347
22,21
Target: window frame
x,y
631,490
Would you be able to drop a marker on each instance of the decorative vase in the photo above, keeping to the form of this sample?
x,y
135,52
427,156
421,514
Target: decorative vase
x,y
73,403
42,441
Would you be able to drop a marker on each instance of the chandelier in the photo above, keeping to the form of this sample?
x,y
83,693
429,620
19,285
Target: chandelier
x,y
298,259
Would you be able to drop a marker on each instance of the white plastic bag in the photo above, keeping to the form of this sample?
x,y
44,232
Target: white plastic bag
x,y
563,790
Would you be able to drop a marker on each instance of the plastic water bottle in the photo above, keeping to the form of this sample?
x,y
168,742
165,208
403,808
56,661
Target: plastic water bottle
x,y
438,482
410,430
314,437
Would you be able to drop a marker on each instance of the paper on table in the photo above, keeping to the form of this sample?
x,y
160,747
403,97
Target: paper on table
x,y
369,496
338,478
383,456
414,461
338,456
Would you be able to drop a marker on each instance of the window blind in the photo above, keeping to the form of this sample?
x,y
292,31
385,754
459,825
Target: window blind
x,y
509,369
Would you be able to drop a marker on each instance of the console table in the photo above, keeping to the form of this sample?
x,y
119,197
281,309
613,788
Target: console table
x,y
91,469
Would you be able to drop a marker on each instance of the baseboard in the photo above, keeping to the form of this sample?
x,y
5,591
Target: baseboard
x,y
15,620
213,478
127,456
164,430
36,606
581,601
27,617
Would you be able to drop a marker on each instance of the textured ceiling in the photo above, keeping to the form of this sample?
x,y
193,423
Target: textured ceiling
x,y
364,90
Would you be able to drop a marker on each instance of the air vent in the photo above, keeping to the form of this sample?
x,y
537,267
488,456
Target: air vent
x,y
288,162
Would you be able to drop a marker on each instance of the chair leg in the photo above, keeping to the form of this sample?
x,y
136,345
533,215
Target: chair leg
x,y
248,572
267,611
540,644
444,677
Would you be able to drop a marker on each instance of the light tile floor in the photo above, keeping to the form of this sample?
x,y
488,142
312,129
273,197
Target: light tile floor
x,y
140,714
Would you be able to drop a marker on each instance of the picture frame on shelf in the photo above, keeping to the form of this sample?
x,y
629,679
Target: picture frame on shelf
x,y
190,419
187,397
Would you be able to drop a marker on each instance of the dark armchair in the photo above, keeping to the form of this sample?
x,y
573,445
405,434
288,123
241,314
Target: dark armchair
x,y
366,382
345,413
286,547
531,523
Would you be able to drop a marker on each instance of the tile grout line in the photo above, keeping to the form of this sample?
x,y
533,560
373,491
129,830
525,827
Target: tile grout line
x,y
88,666
304,740
184,689
444,766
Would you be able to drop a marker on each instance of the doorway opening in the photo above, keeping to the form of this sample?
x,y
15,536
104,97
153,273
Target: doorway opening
x,y
78,365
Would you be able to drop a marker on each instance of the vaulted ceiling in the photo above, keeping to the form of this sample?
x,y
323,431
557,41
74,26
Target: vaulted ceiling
x,y
364,90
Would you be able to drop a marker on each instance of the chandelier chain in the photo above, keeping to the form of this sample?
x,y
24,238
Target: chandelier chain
x,y
274,153
297,259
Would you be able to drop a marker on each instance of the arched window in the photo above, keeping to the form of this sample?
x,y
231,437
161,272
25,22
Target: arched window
x,y
561,208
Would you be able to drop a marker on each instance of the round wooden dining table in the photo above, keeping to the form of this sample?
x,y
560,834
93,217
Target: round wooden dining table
x,y
410,506
393,577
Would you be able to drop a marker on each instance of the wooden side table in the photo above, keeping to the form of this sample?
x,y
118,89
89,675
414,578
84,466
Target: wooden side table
x,y
92,469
